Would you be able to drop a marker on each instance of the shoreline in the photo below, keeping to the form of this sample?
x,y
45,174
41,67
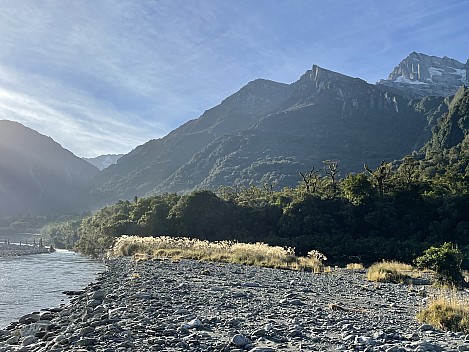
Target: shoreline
x,y
160,305
14,250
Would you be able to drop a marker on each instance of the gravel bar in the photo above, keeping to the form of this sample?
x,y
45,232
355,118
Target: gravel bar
x,y
161,305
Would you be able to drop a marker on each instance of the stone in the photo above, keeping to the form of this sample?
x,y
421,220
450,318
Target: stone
x,y
98,295
86,341
29,330
29,318
46,316
14,340
426,327
251,284
86,330
94,303
392,349
193,324
5,333
240,340
29,340
143,295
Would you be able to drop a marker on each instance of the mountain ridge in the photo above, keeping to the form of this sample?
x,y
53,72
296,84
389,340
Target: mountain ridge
x,y
320,106
267,132
37,175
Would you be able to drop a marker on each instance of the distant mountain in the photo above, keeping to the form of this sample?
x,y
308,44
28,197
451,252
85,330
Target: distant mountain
x,y
103,161
270,131
37,175
420,75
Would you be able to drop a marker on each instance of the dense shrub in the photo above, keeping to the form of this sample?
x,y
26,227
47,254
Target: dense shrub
x,y
445,261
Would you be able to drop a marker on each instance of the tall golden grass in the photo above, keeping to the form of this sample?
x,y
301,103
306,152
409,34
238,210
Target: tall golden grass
x,y
259,254
354,266
447,313
389,272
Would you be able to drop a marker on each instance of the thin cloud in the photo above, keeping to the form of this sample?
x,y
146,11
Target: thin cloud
x,y
107,75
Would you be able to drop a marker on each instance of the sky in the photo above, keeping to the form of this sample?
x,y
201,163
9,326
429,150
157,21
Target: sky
x,y
105,76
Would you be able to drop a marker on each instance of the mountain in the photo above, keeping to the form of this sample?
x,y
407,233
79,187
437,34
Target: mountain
x,y
328,116
420,75
269,131
452,130
37,175
103,161
148,165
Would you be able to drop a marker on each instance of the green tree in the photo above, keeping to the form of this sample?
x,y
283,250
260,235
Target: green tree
x,y
380,175
357,188
445,261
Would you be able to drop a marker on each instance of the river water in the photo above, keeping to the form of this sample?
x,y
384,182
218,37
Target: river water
x,y
32,282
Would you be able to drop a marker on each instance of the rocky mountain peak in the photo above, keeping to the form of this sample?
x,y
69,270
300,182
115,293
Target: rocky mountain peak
x,y
420,75
320,80
320,75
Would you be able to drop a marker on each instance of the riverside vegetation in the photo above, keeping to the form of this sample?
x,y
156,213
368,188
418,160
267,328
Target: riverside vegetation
x,y
258,254
394,212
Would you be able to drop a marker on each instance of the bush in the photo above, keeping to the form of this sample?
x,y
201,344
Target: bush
x,y
446,314
388,272
445,261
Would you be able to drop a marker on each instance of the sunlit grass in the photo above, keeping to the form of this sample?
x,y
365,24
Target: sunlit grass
x,y
390,272
449,314
260,254
354,266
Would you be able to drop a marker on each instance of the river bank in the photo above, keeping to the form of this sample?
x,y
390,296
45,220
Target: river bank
x,y
195,306
15,250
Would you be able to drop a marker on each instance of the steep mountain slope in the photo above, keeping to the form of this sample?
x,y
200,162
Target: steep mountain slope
x,y
452,130
37,175
148,165
270,131
420,75
328,116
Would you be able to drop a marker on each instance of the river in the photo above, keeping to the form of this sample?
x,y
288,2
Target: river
x,y
32,282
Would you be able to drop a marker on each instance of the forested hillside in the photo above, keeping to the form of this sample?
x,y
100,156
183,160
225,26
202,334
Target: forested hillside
x,y
393,211
268,131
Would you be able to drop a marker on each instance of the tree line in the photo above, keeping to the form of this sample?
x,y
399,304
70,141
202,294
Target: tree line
x,y
393,211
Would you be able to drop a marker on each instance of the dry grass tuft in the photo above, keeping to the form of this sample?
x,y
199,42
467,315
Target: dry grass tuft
x,y
355,266
390,272
261,254
448,314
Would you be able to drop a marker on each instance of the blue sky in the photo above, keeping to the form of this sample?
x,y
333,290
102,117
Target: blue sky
x,y
105,76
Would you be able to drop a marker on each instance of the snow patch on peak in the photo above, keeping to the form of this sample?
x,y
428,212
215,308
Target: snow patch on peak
x,y
435,72
463,74
402,79
421,75
103,161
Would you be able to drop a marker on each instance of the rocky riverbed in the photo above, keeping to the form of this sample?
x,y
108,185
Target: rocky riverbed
x,y
160,305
